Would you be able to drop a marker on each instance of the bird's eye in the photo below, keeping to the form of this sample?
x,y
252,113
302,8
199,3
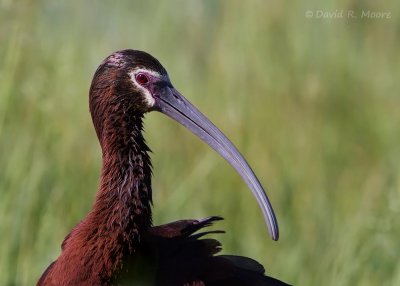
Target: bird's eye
x,y
142,79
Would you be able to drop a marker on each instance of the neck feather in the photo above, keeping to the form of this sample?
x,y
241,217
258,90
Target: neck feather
x,y
125,196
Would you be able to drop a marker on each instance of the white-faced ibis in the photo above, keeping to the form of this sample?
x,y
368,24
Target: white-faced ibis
x,y
116,244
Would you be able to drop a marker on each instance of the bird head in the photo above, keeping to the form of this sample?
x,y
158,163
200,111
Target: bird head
x,y
134,82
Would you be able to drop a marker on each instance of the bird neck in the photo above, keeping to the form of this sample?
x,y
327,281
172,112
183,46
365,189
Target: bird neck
x,y
97,247
124,198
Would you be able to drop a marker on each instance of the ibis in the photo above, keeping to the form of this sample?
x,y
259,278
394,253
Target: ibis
x,y
116,243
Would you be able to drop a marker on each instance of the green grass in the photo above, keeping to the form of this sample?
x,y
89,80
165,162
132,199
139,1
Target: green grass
x,y
312,103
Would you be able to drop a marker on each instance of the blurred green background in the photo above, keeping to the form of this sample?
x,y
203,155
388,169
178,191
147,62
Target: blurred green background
x,y
313,104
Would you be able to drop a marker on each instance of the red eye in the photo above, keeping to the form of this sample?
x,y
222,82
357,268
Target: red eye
x,y
141,78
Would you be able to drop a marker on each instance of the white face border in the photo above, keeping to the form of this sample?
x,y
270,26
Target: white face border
x,y
147,95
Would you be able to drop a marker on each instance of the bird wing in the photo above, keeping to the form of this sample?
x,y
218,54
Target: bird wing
x,y
185,257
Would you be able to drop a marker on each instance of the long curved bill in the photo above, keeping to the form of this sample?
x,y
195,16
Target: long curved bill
x,y
170,102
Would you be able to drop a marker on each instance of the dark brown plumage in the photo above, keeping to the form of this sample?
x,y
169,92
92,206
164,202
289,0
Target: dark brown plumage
x,y
116,244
